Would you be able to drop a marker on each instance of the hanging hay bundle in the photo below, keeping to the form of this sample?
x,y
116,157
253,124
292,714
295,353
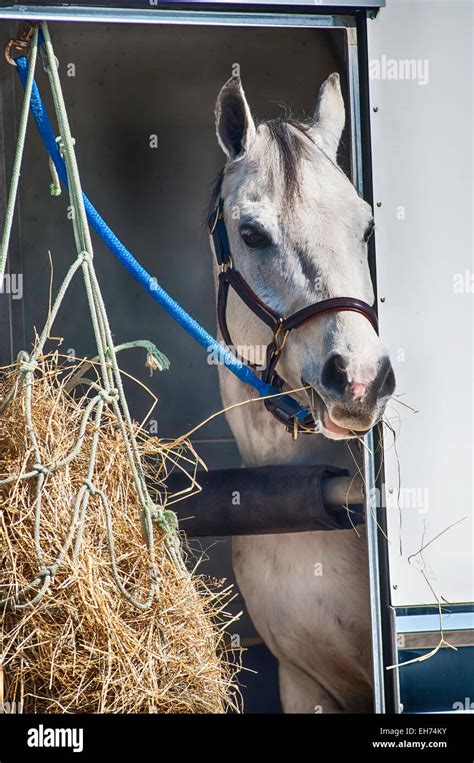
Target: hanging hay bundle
x,y
83,646
98,612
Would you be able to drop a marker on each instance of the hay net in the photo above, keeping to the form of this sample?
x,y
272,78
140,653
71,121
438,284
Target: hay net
x,y
98,610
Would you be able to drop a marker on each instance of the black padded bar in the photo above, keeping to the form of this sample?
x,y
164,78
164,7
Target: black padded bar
x,y
267,500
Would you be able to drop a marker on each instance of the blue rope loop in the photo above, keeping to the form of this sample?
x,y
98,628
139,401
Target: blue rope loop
x,y
149,283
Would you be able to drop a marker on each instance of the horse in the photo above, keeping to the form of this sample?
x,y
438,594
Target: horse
x,y
298,231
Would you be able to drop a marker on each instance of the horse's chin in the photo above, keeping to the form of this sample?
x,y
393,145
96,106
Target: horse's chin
x,y
334,431
330,429
347,434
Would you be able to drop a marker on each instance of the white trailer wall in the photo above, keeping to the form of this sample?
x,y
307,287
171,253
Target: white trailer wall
x,y
422,142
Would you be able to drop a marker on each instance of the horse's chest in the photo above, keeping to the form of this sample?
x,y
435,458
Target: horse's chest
x,y
305,591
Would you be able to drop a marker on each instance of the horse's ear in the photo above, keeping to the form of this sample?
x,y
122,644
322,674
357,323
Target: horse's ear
x,y
235,127
329,115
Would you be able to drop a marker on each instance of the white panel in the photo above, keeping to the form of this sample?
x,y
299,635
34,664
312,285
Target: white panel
x,y
422,134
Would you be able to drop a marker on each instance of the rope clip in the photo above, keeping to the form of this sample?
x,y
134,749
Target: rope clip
x,y
22,43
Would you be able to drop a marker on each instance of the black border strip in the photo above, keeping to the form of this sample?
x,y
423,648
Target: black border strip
x,y
389,647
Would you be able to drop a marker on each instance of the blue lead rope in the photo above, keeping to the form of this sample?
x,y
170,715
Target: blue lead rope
x,y
243,372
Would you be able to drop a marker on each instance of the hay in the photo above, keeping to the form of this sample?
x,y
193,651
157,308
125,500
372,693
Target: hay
x,y
83,647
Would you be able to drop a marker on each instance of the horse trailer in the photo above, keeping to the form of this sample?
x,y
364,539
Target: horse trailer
x,y
141,80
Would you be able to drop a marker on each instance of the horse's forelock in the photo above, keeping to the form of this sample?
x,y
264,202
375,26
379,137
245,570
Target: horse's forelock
x,y
291,140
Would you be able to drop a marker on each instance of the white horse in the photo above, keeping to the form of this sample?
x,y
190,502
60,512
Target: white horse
x,y
298,234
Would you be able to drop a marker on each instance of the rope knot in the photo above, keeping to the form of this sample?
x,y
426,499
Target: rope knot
x,y
90,487
107,395
85,256
165,519
26,365
47,572
41,469
60,143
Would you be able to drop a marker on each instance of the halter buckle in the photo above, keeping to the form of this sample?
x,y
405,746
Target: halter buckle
x,y
229,263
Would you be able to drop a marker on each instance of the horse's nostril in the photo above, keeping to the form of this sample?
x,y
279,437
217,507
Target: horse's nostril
x,y
334,376
387,379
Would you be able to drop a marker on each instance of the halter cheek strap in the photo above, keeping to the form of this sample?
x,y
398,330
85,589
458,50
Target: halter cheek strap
x,y
281,327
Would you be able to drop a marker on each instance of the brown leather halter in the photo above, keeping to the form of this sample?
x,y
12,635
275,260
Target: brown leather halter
x,y
281,327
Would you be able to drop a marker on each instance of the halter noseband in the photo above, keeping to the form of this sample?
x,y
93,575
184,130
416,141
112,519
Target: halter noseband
x,y
281,327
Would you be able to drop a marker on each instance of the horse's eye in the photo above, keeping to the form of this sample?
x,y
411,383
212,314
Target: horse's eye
x,y
254,238
369,230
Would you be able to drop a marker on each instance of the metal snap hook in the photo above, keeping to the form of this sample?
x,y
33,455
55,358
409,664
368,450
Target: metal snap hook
x,y
22,42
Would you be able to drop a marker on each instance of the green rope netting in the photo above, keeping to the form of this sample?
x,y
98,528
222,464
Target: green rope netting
x,y
109,392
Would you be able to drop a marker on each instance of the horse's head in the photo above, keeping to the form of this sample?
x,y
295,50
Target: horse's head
x,y
298,234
